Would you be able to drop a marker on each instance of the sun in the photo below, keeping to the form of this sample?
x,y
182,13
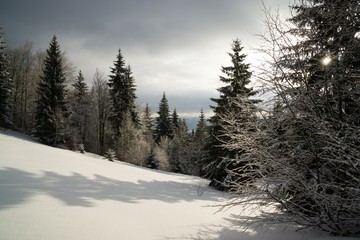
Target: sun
x,y
326,60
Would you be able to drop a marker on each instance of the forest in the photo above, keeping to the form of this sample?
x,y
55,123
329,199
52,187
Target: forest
x,y
298,148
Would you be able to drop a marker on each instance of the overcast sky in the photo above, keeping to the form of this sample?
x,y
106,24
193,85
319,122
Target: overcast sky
x,y
173,46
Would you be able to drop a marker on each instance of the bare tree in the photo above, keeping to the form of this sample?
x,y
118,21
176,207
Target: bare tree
x,y
132,146
26,69
101,105
162,152
21,63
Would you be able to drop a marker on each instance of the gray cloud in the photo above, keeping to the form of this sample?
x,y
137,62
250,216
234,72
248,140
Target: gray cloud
x,y
176,46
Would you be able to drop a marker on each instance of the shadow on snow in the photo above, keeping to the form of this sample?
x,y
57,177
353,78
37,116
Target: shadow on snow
x,y
16,186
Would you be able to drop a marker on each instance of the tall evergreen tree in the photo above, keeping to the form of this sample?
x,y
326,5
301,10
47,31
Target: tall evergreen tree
x,y
5,86
80,88
122,93
176,121
163,126
180,157
316,142
147,121
52,108
131,97
80,107
200,138
237,78
148,134
200,131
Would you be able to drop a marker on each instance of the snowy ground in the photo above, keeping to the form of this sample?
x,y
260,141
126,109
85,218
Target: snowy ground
x,y
53,194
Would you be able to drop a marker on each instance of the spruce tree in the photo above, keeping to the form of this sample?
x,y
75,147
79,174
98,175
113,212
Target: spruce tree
x,y
80,107
80,88
200,131
131,97
237,78
200,138
148,134
51,107
147,121
176,121
180,157
5,86
122,93
163,126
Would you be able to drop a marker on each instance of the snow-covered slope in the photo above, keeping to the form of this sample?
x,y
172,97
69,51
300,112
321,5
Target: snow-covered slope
x,y
53,194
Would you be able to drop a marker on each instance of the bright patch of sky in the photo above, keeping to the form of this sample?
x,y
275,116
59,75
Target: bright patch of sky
x,y
177,47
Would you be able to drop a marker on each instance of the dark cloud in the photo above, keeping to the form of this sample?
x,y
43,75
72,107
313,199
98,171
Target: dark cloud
x,y
176,46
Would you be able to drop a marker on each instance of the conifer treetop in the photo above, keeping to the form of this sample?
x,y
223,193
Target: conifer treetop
x,y
52,106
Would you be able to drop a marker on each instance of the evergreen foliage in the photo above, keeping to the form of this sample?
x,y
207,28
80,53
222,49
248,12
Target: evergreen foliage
x,y
200,131
312,146
237,78
124,116
122,93
200,138
5,86
52,108
147,121
163,126
148,133
110,155
180,157
80,107
176,121
152,162
80,88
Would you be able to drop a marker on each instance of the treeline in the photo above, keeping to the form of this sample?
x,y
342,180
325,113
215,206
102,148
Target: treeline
x,y
43,97
299,149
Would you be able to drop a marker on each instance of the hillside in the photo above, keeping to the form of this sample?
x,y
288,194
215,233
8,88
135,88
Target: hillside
x,y
50,193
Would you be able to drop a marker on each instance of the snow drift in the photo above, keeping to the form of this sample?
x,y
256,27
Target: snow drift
x,y
50,193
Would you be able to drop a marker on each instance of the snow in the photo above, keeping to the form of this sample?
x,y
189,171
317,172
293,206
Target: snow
x,y
49,193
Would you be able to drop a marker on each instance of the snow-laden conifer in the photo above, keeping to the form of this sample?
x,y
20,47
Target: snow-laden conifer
x,y
235,100
52,108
